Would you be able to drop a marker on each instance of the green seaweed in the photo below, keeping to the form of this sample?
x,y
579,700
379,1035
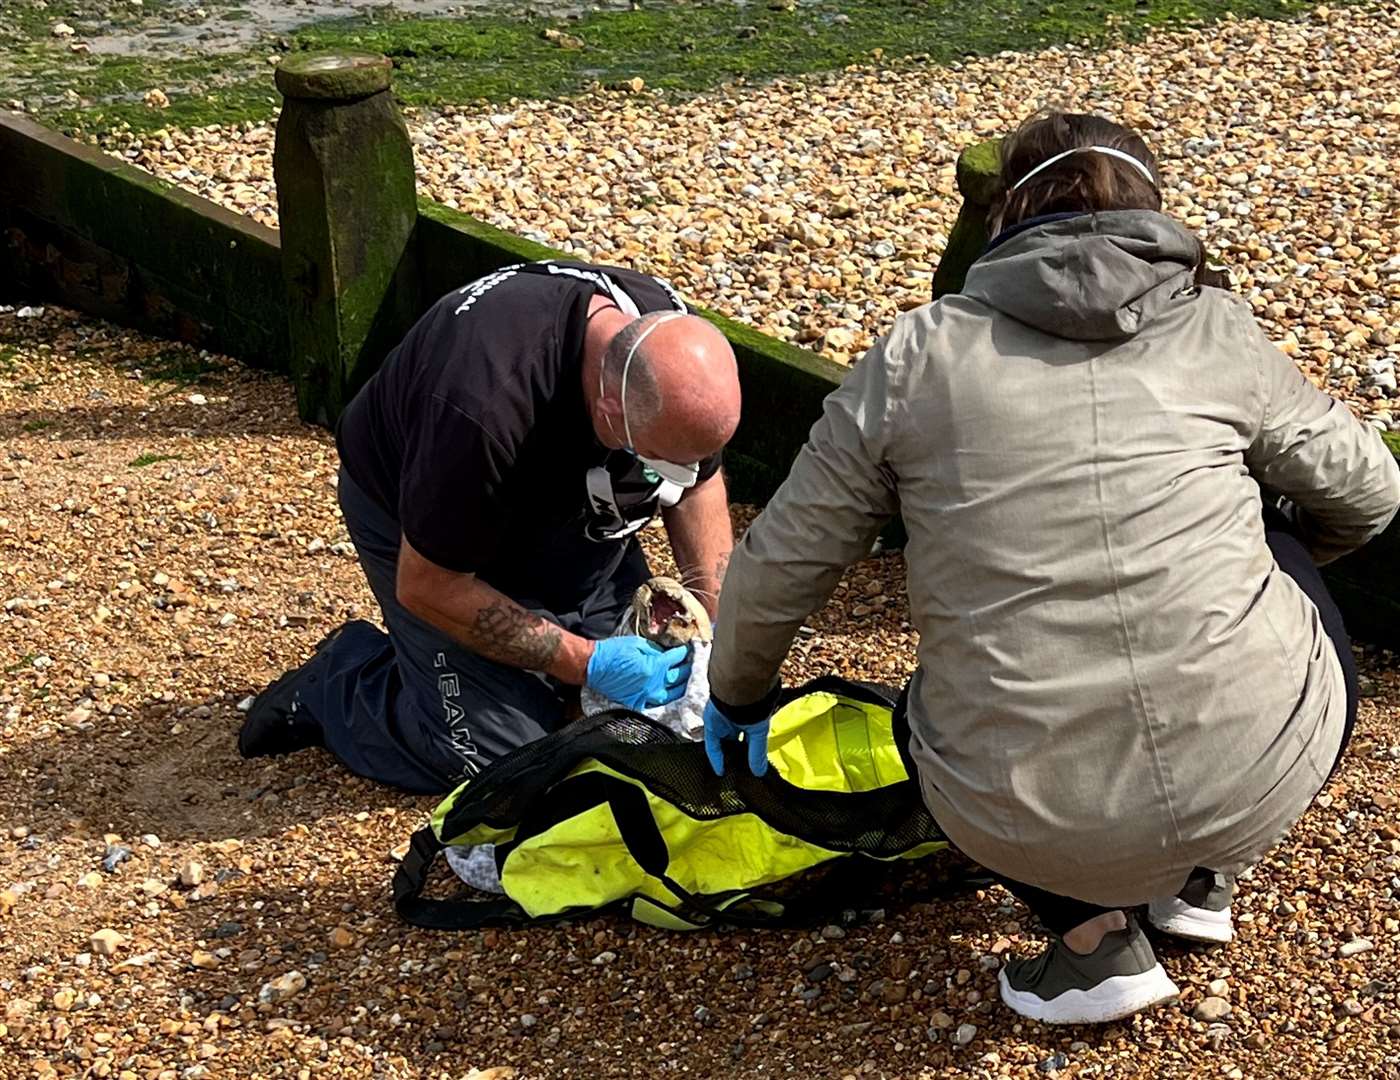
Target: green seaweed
x,y
141,461
678,47
183,367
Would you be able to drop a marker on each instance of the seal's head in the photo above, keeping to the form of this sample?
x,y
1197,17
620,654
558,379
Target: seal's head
x,y
666,613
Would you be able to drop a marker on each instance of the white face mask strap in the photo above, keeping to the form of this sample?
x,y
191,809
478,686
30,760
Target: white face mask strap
x,y
627,366
1109,150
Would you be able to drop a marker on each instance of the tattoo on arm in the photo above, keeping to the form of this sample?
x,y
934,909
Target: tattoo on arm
x,y
721,568
508,633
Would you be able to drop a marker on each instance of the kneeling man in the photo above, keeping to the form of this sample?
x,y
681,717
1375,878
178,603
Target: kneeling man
x,y
494,474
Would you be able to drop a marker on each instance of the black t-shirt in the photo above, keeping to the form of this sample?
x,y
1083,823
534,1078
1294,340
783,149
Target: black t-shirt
x,y
475,435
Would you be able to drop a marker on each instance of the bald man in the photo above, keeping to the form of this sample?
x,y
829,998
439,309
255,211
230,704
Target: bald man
x,y
494,475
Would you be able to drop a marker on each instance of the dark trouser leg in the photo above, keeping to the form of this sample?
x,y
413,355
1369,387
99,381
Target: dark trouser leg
x,y
1293,559
413,708
1059,914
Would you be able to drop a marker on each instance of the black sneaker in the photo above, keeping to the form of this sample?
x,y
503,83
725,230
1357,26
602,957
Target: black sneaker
x,y
276,723
1200,911
1120,977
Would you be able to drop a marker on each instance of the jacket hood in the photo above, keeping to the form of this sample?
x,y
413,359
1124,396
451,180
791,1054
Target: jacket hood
x,y
1091,277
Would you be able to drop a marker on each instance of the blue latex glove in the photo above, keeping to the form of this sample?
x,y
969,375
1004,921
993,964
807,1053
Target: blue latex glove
x,y
719,728
637,674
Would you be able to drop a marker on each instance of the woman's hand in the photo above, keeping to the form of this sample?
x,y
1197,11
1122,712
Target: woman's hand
x,y
726,724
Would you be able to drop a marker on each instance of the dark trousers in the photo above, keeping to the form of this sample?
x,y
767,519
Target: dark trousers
x,y
414,708
1062,913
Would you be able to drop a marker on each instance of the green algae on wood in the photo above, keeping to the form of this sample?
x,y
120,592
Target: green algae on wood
x,y
979,181
347,208
107,238
333,75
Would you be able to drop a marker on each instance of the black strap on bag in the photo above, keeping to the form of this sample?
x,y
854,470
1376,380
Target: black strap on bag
x,y
417,910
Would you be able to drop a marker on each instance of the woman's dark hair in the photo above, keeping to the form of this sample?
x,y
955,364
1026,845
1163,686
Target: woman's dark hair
x,y
1078,183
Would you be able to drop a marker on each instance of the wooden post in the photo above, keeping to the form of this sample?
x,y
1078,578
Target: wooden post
x,y
346,199
979,182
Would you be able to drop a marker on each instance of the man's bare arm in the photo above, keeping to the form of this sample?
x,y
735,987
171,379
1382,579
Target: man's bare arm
x,y
702,538
487,621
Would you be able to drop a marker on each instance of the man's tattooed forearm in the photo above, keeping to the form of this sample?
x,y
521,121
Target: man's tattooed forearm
x,y
721,567
505,631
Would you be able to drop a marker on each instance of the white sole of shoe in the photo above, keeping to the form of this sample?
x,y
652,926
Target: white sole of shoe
x,y
1178,918
1112,999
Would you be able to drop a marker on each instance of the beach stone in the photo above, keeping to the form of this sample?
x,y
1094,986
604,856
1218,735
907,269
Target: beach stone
x,y
342,937
116,854
282,988
1210,1009
106,942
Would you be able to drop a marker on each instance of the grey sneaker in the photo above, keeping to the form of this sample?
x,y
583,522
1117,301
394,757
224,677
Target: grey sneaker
x,y
1200,911
1120,977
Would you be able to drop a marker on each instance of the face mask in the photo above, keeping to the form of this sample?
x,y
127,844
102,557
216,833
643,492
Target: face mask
x,y
681,475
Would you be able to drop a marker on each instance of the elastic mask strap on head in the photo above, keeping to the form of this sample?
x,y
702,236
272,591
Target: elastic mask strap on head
x,y
1109,150
627,366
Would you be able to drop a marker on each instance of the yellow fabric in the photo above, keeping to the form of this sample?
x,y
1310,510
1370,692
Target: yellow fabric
x,y
479,834
648,911
820,741
823,742
580,862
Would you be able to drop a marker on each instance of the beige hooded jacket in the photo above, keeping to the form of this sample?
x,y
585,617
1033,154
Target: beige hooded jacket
x,y
1116,683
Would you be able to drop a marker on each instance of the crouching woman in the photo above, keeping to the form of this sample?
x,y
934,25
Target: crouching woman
x,y
1131,680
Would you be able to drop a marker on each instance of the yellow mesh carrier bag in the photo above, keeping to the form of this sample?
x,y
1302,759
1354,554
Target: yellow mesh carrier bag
x,y
615,811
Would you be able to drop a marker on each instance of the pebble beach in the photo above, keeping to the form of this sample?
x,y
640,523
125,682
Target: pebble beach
x,y
817,209
170,542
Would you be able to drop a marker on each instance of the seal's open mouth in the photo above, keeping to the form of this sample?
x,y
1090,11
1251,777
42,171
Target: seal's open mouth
x,y
663,609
